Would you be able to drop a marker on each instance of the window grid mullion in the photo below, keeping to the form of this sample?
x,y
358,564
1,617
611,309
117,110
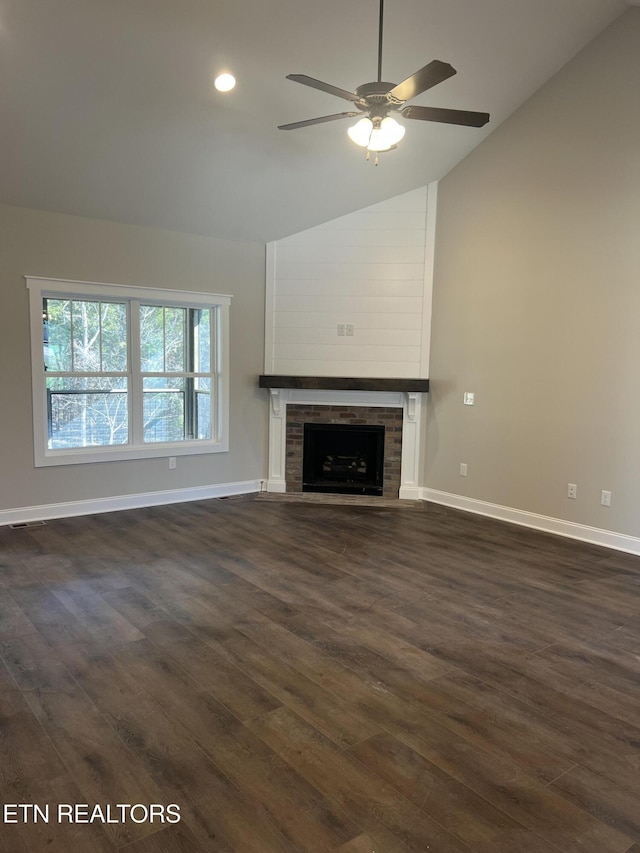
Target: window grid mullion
x,y
215,342
164,339
189,415
88,374
71,335
100,333
136,413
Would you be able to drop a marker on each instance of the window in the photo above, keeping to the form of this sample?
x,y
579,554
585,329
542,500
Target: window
x,y
126,373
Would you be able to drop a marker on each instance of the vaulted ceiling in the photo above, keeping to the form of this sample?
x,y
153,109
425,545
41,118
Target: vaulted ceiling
x,y
107,107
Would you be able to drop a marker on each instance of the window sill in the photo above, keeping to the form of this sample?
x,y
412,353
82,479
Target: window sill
x,y
86,455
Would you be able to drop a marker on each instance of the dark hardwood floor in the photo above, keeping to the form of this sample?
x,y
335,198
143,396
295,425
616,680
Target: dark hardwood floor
x,y
307,677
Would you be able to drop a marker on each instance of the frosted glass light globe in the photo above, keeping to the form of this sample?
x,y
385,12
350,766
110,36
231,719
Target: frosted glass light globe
x,y
360,133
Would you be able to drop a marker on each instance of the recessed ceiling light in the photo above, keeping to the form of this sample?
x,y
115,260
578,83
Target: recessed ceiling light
x,y
224,82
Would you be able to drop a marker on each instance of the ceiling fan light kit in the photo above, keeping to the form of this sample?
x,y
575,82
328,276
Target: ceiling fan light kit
x,y
376,134
378,131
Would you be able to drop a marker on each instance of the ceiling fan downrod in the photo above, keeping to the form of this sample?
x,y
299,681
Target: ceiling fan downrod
x,y
380,41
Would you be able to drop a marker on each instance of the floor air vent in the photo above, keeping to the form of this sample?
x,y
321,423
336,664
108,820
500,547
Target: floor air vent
x,y
21,524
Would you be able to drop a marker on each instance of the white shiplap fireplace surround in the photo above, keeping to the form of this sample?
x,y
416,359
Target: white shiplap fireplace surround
x,y
352,298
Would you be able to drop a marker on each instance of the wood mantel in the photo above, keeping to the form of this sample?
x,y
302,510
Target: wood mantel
x,y
343,383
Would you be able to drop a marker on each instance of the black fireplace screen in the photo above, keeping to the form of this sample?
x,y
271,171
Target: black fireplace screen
x,y
343,459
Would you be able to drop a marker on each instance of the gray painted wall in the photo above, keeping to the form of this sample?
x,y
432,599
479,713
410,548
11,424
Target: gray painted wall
x,y
58,246
537,300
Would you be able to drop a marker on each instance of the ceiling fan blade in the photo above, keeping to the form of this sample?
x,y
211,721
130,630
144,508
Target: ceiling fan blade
x,y
296,124
432,74
324,87
465,117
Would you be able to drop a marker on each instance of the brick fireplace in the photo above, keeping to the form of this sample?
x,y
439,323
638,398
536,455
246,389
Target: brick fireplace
x,y
299,414
395,404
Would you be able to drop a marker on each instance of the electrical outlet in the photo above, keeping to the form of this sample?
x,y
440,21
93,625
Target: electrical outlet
x,y
605,498
172,463
469,398
341,329
463,469
572,491
348,330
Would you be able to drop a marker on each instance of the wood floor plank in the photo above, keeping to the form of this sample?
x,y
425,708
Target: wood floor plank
x,y
13,621
329,713
517,793
594,660
59,836
12,700
611,804
221,816
29,757
313,822
101,620
34,665
364,843
468,816
55,623
400,642
623,704
573,728
95,757
243,759
377,806
370,665
309,661
138,610
171,839
228,684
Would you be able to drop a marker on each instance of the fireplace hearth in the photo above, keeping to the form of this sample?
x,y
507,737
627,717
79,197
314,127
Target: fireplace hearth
x,y
343,459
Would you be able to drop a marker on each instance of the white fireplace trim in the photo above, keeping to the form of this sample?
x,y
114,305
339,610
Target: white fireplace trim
x,y
411,404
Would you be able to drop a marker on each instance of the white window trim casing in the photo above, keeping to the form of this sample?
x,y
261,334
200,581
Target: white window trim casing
x,y
40,288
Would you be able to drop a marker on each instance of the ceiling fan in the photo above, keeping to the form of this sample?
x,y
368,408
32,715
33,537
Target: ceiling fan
x,y
378,130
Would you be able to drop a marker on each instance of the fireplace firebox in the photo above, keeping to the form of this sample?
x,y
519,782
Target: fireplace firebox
x,y
343,459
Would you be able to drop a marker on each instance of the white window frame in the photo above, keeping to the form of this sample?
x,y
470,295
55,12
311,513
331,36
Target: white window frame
x,y
42,288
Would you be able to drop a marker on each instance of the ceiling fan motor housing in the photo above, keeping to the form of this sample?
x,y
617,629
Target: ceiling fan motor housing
x,y
374,97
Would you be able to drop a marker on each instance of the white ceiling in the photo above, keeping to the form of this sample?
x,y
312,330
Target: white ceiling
x,y
107,107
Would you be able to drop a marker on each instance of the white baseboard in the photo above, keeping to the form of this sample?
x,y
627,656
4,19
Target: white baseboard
x,y
96,505
410,493
593,535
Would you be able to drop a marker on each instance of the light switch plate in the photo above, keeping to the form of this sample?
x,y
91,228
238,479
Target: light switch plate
x,y
469,398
